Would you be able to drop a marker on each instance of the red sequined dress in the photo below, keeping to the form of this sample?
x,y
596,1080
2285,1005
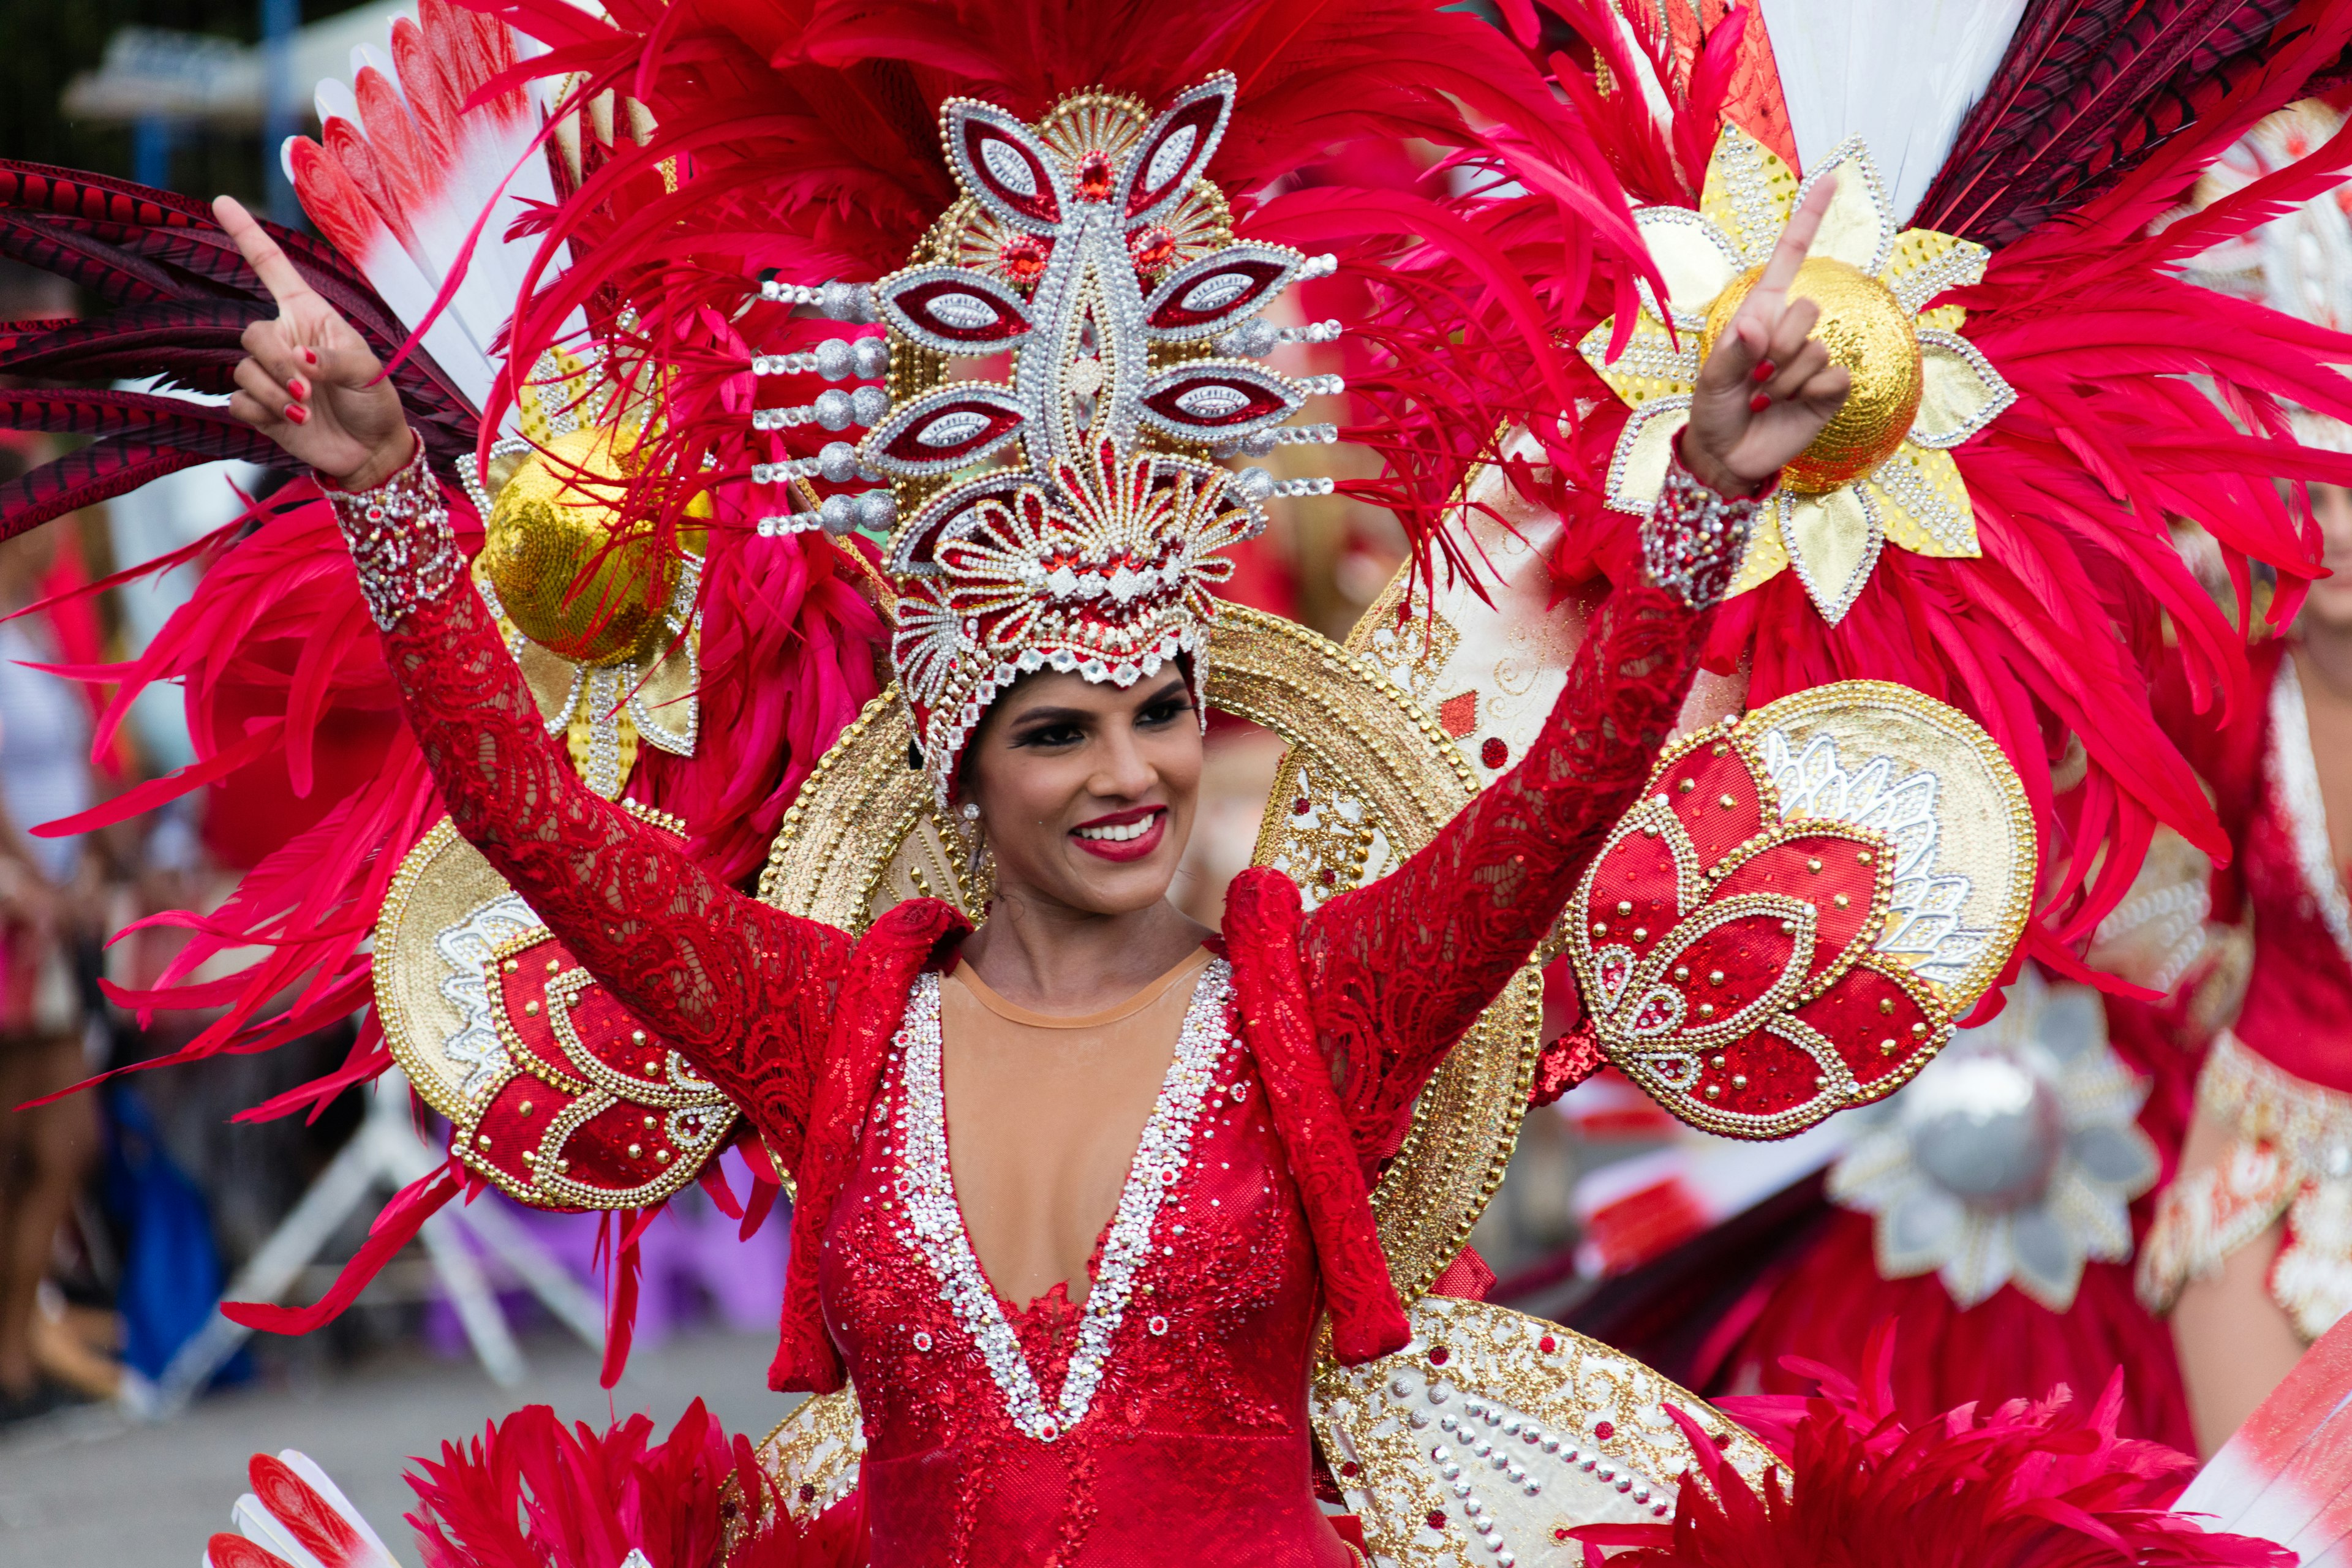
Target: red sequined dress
x,y
2280,1077
1165,1418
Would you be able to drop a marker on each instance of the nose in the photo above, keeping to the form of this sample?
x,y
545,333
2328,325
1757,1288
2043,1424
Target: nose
x,y
1122,771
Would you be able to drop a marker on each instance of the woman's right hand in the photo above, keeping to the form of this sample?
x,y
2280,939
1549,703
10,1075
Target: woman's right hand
x,y
308,381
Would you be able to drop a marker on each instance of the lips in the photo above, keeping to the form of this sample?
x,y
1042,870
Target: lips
x,y
1124,835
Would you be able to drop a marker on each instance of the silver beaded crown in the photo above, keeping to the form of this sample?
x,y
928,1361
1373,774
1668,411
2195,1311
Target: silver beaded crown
x,y
1069,515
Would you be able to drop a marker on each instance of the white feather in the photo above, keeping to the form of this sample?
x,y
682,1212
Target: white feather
x,y
302,1465
492,163
1900,74
259,1525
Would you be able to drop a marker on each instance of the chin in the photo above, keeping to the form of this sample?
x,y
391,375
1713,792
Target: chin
x,y
1123,890
1108,885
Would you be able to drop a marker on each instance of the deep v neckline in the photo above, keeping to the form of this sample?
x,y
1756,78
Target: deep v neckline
x,y
935,1227
983,1031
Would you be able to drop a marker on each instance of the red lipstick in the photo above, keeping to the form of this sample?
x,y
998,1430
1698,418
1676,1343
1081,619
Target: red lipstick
x,y
1125,850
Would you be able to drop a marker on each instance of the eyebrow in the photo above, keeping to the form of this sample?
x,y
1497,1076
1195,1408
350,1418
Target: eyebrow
x,y
1081,715
1053,715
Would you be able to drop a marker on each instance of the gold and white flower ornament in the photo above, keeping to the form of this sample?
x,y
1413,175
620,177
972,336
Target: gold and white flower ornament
x,y
1882,471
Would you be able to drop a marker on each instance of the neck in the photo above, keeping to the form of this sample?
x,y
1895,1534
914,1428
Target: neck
x,y
1048,957
2326,651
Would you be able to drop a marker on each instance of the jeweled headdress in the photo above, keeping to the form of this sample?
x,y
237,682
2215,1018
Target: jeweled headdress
x,y
1089,251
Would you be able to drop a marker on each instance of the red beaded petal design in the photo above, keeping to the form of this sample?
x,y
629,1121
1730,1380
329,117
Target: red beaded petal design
x,y
1731,959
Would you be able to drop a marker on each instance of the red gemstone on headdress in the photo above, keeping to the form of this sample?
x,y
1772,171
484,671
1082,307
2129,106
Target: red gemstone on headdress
x,y
1437,1518
1494,751
1152,247
1095,176
1024,256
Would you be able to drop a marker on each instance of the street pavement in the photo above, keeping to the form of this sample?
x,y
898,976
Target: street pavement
x,y
92,1490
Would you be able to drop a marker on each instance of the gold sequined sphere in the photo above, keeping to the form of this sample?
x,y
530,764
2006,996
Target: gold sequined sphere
x,y
1867,331
550,528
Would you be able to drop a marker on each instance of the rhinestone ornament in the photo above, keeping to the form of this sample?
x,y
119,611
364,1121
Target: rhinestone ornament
x,y
403,548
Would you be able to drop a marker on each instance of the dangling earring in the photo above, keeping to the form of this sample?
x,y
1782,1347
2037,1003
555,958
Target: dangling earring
x,y
980,863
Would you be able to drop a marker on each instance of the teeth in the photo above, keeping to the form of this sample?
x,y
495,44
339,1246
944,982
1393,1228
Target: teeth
x,y
1122,834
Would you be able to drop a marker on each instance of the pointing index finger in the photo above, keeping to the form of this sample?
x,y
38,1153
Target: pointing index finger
x,y
260,252
1796,240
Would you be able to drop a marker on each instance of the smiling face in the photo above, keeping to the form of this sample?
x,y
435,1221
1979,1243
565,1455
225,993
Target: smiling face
x,y
1085,790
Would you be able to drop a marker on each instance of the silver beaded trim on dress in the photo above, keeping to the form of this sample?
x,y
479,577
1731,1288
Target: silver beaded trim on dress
x,y
403,548
1692,539
935,1231
2295,781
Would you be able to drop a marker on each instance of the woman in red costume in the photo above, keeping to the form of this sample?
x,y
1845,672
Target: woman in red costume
x,y
1222,1098
2250,1251
2251,1247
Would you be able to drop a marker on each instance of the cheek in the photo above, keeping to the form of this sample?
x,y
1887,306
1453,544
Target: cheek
x,y
1179,758
1035,790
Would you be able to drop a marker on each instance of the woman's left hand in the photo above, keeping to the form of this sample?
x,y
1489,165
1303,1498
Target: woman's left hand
x,y
1769,387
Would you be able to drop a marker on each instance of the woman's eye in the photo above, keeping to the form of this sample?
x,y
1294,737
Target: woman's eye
x,y
1164,712
1049,735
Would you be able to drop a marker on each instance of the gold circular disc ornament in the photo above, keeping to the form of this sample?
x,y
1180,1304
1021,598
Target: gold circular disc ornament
x,y
551,528
1885,757
555,1092
865,835
1867,330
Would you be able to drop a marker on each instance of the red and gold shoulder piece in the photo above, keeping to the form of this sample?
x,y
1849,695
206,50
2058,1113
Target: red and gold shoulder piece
x,y
554,1091
1789,921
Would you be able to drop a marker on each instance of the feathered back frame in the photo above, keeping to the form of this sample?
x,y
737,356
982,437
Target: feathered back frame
x,y
2141,399
800,142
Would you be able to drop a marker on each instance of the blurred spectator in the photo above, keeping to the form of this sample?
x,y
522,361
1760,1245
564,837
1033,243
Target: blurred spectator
x,y
47,899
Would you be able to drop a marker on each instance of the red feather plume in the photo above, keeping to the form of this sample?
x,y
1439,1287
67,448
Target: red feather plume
x,y
802,143
529,1493
2028,1485
2047,638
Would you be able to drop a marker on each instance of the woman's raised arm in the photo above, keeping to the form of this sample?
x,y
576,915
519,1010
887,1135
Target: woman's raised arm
x,y
1403,968
742,990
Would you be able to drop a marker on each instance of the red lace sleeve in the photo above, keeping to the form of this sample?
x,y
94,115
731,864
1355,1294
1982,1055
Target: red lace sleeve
x,y
1401,968
742,989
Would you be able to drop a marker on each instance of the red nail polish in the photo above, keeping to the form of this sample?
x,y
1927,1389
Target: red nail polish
x,y
297,414
1759,403
310,356
1764,371
298,387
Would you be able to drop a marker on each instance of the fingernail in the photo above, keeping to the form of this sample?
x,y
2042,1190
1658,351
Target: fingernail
x,y
297,414
1759,403
310,356
298,387
1764,371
